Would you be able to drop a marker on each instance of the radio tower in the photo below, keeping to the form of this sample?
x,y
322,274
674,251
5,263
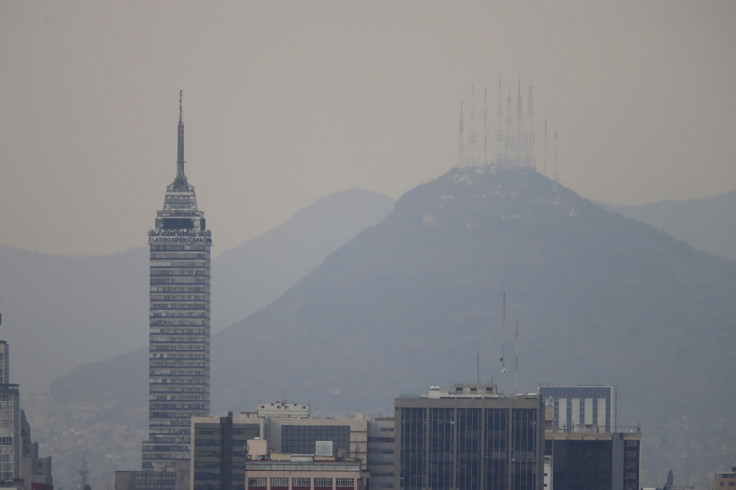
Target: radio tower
x,y
461,145
530,119
485,125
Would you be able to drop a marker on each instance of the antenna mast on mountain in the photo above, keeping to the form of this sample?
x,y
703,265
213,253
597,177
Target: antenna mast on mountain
x,y
461,148
499,140
530,142
485,127
545,147
557,177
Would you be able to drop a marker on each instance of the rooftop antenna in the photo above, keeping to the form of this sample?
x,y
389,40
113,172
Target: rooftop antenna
x,y
516,374
477,367
461,149
485,127
503,343
180,147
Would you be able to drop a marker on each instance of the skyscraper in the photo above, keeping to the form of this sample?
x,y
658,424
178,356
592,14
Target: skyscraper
x,y
179,334
10,441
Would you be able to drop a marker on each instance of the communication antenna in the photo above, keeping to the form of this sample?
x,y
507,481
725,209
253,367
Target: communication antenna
x,y
461,149
472,137
557,177
485,127
499,140
477,366
545,147
509,158
520,133
503,343
83,472
530,115
516,381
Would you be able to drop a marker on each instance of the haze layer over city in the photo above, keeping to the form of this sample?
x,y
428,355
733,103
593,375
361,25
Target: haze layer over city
x,y
294,101
329,118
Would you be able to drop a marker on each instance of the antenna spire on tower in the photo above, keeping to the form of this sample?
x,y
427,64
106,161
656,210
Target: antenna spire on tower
x,y
180,146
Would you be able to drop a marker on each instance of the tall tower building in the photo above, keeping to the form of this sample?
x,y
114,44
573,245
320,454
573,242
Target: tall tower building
x,y
10,441
179,334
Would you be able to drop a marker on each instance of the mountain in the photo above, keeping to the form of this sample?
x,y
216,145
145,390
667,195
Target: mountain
x,y
708,223
61,312
417,301
252,275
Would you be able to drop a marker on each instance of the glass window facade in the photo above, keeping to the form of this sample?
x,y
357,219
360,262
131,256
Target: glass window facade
x,y
473,444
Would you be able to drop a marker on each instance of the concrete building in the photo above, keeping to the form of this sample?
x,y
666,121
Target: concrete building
x,y
179,333
582,407
469,437
35,471
381,451
724,480
304,472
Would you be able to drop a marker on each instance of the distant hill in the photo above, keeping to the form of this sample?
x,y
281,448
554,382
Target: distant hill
x,y
708,223
60,312
411,302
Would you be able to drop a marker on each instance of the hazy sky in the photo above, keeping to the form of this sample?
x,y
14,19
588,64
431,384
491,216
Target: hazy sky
x,y
285,102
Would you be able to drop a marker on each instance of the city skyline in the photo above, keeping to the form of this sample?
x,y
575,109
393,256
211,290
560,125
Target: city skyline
x,y
295,102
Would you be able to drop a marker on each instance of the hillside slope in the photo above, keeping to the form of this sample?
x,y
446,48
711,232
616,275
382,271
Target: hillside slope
x,y
708,223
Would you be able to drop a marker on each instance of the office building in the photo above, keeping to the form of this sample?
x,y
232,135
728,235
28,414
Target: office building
x,y
582,407
179,333
381,452
471,438
219,447
35,470
594,460
10,440
304,472
725,479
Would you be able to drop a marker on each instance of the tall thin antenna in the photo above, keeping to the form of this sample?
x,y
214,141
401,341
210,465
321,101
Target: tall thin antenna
x,y
477,367
472,129
530,117
516,369
180,143
545,147
556,180
461,149
503,343
485,128
499,140
520,140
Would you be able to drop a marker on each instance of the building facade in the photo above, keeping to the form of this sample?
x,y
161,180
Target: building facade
x,y
219,449
179,332
468,438
582,407
304,473
10,440
381,452
595,460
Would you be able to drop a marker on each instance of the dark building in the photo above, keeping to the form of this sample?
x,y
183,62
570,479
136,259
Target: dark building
x,y
179,334
219,447
594,461
468,438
